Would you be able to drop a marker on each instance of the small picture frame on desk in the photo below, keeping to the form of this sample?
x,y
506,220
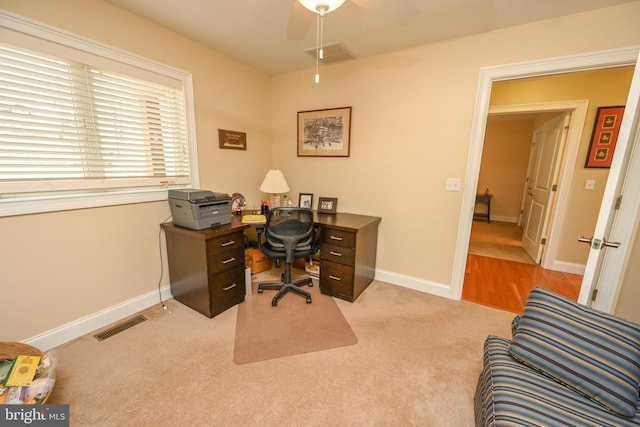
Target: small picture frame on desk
x,y
305,200
327,205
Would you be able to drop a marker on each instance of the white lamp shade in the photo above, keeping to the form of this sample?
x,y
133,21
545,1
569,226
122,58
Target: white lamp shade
x,y
274,182
321,6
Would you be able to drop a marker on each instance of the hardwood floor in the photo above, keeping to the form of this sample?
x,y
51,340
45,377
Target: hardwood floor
x,y
504,284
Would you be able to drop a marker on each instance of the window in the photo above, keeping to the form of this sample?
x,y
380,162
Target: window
x,y
87,125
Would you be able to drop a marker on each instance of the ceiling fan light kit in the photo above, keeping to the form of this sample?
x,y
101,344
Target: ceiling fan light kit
x,y
321,6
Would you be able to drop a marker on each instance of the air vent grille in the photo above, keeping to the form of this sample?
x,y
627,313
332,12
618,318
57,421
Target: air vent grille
x,y
120,327
334,52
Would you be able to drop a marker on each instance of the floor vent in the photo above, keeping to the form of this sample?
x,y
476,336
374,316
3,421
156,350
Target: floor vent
x,y
108,333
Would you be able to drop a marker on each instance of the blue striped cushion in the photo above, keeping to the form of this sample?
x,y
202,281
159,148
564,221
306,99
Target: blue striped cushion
x,y
595,353
510,393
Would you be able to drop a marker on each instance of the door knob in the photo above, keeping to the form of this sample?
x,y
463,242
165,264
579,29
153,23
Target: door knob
x,y
597,243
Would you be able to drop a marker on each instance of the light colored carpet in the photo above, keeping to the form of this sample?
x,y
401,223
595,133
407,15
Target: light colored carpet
x,y
293,327
416,363
501,240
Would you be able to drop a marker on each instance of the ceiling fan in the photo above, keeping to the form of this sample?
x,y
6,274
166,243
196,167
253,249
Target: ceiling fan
x,y
300,20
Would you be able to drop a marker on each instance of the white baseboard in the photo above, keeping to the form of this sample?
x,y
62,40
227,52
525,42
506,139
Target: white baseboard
x,y
433,288
568,267
95,321
513,220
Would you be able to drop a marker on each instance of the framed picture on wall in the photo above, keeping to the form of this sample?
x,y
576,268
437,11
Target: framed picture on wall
x,y
604,137
324,133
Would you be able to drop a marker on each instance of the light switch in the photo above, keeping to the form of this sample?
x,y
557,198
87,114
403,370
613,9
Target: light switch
x,y
590,184
453,184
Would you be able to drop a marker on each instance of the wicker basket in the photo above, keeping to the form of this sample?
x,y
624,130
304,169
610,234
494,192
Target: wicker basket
x,y
9,350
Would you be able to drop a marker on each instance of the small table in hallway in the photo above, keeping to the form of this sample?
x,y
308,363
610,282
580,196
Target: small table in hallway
x,y
484,198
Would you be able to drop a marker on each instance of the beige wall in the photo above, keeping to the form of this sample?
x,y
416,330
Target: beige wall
x,y
412,115
505,156
600,88
76,263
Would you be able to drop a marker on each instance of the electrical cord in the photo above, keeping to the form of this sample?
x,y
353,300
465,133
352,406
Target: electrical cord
x,y
164,307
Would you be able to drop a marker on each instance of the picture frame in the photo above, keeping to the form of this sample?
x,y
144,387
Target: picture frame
x,y
305,200
232,140
604,137
327,205
324,133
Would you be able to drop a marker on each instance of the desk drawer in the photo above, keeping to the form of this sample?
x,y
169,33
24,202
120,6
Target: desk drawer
x,y
335,253
226,289
225,243
336,280
225,260
338,237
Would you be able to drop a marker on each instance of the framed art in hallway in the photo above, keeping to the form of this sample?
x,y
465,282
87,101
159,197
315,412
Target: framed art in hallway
x,y
604,137
324,133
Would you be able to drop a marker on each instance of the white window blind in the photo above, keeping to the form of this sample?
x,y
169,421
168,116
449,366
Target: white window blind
x,y
83,124
69,126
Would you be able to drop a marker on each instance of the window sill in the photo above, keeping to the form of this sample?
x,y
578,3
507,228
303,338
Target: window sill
x,y
33,205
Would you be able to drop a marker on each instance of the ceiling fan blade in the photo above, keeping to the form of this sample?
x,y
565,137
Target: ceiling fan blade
x,y
300,20
399,11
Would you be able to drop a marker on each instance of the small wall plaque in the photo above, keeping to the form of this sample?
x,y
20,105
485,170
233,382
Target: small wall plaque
x,y
232,140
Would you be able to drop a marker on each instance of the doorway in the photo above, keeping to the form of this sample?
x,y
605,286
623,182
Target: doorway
x,y
495,76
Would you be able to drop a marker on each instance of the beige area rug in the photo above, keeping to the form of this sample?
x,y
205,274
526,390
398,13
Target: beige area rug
x,y
500,240
265,332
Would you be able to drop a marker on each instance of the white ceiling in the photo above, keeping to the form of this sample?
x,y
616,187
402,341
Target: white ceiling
x,y
255,31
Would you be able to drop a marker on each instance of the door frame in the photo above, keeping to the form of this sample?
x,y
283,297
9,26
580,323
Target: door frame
x,y
583,62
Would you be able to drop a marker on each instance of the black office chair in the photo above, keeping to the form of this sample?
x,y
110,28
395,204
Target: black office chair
x,y
289,235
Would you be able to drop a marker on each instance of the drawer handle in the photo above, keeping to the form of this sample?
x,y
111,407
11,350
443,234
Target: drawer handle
x,y
334,278
335,253
338,238
227,261
231,286
230,242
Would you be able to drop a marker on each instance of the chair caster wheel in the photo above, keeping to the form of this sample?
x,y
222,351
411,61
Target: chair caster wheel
x,y
308,300
260,290
274,303
311,284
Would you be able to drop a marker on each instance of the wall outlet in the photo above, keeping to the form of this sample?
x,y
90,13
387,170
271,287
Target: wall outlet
x,y
453,184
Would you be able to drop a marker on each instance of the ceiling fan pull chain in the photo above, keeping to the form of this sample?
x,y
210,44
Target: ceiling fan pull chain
x,y
321,51
317,77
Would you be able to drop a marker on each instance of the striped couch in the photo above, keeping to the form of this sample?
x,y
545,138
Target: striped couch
x,y
565,365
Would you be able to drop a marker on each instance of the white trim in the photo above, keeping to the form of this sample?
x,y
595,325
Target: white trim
x,y
498,218
85,325
488,75
568,267
421,285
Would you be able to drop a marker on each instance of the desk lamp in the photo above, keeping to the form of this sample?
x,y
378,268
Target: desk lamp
x,y
276,184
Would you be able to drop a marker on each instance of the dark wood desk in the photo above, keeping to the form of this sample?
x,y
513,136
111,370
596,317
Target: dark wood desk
x,y
206,267
348,247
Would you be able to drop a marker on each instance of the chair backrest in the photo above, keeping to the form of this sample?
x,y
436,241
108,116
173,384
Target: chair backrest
x,y
290,229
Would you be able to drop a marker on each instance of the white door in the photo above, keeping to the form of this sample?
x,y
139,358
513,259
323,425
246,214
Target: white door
x,y
542,183
618,212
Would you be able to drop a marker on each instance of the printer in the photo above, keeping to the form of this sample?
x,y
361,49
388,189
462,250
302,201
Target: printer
x,y
199,209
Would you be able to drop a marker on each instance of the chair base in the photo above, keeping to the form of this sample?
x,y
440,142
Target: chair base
x,y
283,288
